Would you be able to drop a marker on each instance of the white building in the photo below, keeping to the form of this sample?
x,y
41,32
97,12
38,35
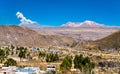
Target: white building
x,y
51,68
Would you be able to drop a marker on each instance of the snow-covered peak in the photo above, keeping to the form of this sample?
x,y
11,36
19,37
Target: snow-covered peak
x,y
86,23
72,24
89,22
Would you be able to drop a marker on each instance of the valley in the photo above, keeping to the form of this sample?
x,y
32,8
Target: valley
x,y
60,37
31,47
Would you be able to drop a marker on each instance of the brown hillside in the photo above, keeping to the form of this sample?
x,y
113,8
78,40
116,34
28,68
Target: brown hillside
x,y
22,36
111,41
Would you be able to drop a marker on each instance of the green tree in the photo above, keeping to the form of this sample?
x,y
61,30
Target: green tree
x,y
66,63
47,58
56,57
7,51
12,47
2,55
42,54
52,57
28,56
17,50
84,64
10,62
12,52
22,53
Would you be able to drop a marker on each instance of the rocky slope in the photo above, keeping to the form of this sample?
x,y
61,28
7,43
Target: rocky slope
x,y
78,33
23,36
87,30
111,41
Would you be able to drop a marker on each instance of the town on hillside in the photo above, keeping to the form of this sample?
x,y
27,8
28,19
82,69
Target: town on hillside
x,y
57,60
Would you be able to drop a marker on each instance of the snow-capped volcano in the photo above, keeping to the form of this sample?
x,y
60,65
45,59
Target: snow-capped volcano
x,y
86,23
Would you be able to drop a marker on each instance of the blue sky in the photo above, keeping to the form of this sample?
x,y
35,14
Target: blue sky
x,y
58,12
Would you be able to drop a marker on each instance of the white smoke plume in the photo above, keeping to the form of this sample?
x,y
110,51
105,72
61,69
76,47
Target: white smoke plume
x,y
23,19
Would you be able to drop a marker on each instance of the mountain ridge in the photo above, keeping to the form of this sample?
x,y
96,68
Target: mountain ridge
x,y
23,36
86,23
111,41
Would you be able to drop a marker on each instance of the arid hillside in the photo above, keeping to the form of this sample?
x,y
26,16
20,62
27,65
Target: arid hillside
x,y
111,41
23,36
79,33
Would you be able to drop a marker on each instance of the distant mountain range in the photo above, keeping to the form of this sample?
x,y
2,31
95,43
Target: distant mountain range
x,y
32,24
50,36
79,33
86,23
57,36
30,33
22,36
87,30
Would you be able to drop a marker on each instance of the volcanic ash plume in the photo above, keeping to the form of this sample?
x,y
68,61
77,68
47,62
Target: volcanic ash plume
x,y
23,19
